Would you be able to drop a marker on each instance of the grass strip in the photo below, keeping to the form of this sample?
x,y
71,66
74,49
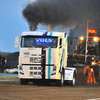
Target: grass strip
x,y
8,73
8,76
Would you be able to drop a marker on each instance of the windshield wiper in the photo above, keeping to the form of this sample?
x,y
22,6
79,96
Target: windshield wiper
x,y
31,46
47,46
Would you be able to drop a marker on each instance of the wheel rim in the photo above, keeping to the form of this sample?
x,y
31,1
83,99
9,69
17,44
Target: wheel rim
x,y
62,80
74,81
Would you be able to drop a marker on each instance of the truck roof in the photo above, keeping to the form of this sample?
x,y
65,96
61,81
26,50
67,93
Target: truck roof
x,y
44,33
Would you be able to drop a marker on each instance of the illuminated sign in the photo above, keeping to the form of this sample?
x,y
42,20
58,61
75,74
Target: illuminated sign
x,y
92,31
44,40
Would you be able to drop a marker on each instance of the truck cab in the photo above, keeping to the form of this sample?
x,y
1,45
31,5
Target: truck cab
x,y
43,56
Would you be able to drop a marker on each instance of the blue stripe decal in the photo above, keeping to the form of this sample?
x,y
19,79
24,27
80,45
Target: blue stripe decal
x,y
51,33
49,60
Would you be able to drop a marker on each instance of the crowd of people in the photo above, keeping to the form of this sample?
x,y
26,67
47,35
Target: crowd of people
x,y
3,62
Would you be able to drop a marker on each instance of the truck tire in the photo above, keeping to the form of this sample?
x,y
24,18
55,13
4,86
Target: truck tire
x,y
73,82
23,82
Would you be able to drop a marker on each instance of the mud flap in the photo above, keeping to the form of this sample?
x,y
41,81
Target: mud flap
x,y
70,75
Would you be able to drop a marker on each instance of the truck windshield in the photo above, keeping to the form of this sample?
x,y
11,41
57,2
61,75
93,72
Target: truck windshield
x,y
39,42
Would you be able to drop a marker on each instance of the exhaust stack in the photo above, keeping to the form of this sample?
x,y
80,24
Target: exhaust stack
x,y
48,27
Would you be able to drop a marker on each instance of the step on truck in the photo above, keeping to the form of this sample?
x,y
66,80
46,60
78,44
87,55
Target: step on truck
x,y
43,56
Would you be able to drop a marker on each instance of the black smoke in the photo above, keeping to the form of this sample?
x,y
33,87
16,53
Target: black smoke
x,y
68,13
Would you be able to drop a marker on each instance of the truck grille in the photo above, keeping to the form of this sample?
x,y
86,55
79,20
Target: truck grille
x,y
31,73
35,59
35,73
35,70
31,68
39,73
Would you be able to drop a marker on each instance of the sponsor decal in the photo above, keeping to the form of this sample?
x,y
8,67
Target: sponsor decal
x,y
26,53
35,60
44,40
68,74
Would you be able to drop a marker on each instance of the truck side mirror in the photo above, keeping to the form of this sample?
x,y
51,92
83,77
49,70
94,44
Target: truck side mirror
x,y
16,42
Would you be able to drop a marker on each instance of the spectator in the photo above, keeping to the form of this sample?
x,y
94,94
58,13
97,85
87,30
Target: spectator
x,y
5,60
0,61
90,49
3,63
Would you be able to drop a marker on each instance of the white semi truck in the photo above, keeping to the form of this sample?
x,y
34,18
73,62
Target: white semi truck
x,y
43,56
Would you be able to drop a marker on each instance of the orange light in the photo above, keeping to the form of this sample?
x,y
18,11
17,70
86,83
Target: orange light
x,y
95,39
70,42
81,38
93,63
90,38
92,31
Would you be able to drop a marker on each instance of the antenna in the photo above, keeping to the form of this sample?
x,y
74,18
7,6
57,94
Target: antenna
x,y
48,27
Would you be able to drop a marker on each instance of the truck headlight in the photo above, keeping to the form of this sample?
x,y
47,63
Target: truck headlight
x,y
21,68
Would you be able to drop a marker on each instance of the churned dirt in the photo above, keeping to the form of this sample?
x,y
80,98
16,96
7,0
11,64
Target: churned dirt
x,y
10,89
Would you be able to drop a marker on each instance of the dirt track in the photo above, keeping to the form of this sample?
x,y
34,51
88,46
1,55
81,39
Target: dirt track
x,y
12,90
